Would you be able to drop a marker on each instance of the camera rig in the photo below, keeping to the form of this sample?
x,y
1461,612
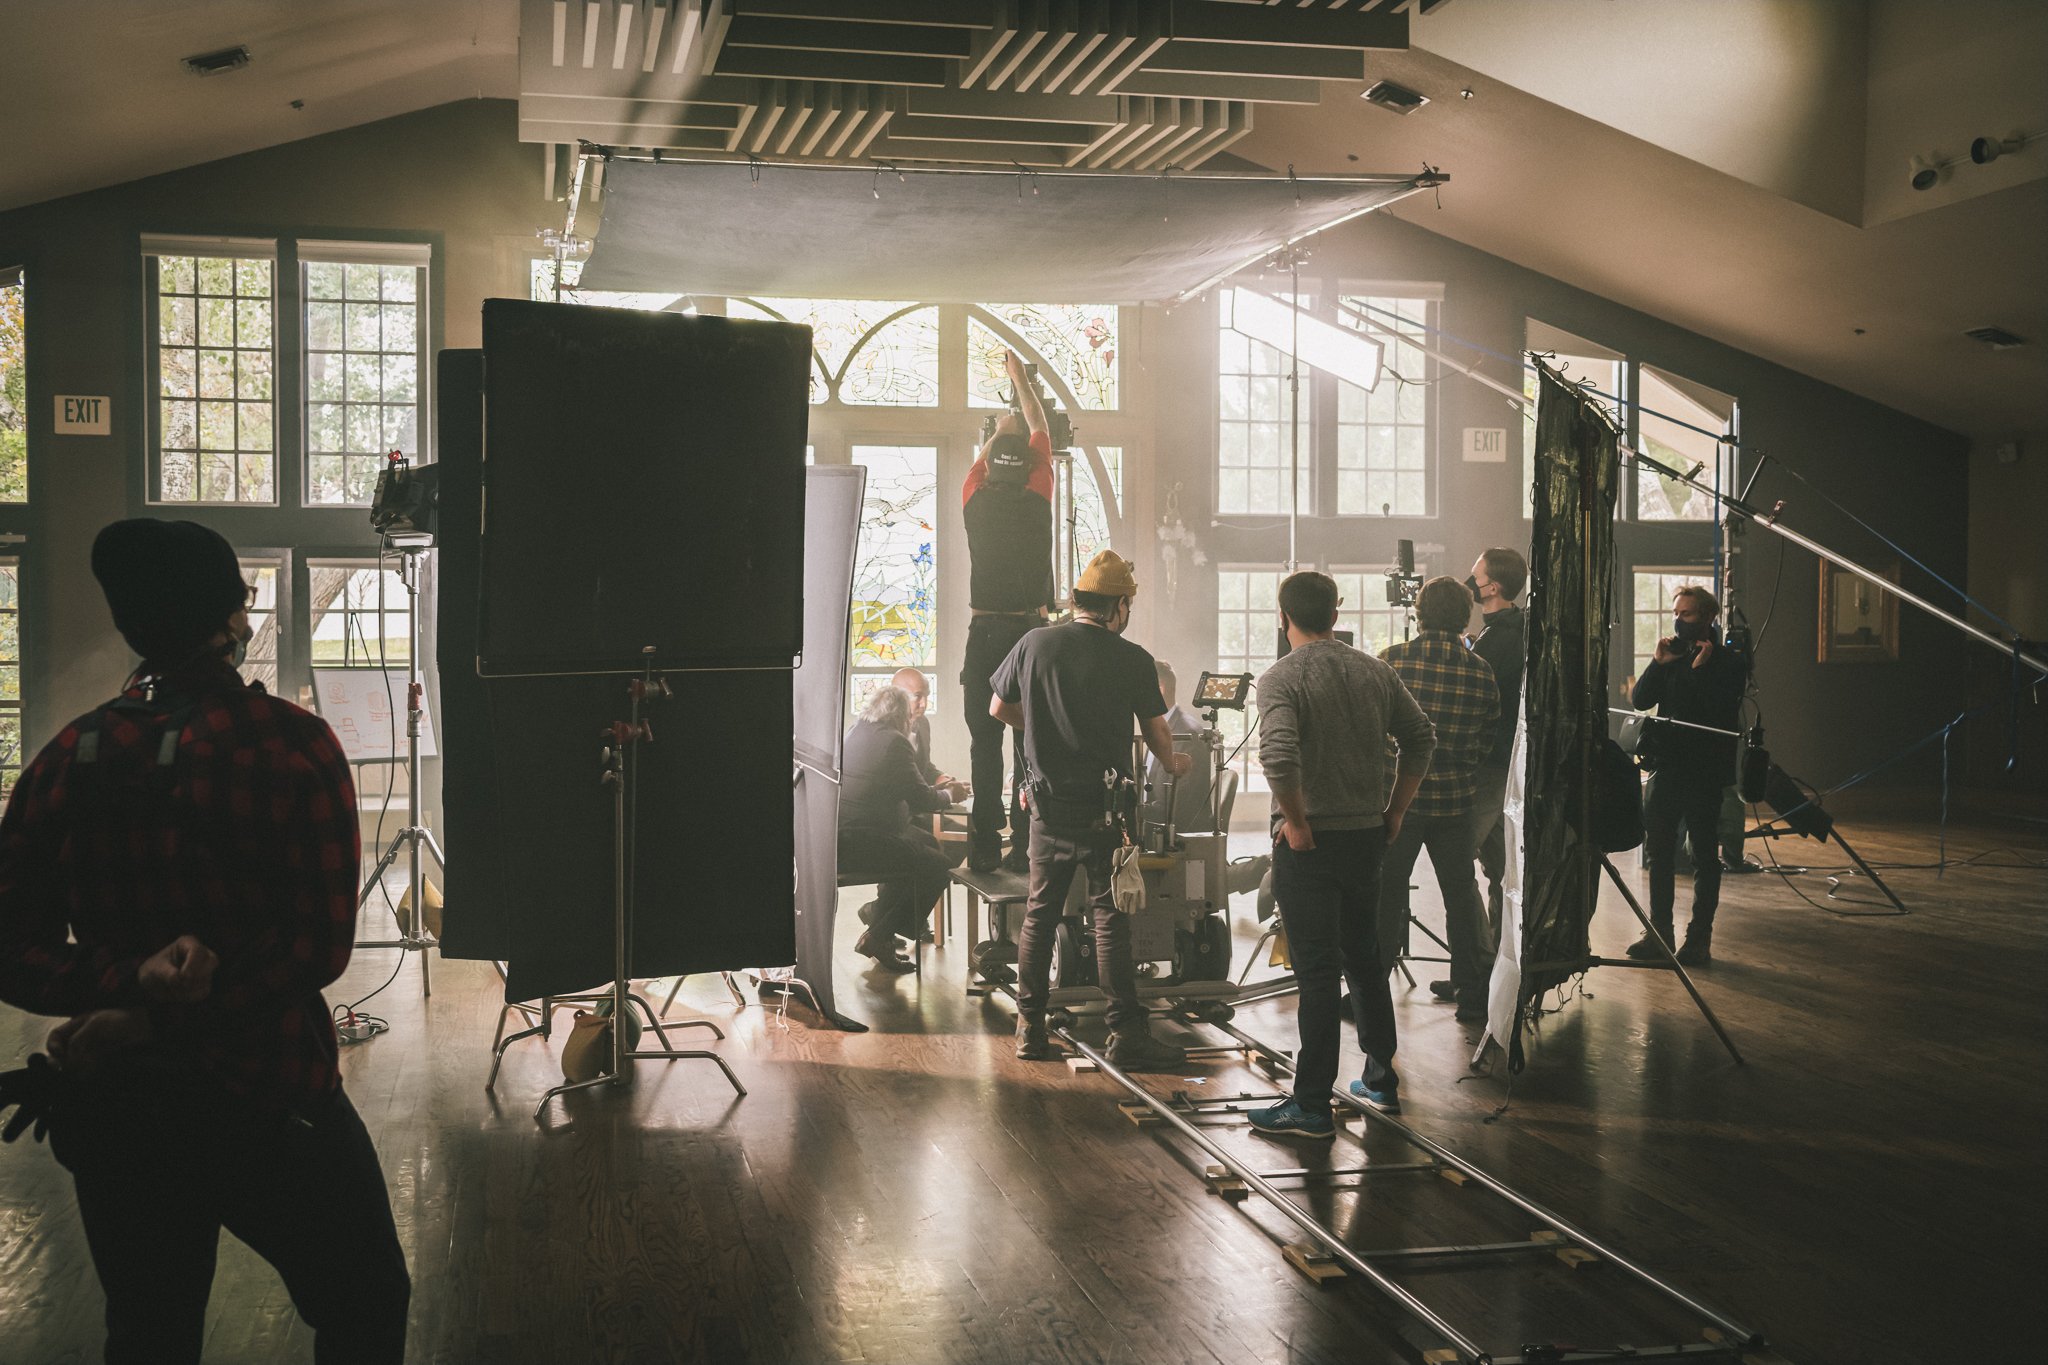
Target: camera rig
x,y
1404,585
1059,426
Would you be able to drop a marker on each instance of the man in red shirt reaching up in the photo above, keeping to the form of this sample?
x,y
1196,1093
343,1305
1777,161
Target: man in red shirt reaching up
x,y
1007,506
178,878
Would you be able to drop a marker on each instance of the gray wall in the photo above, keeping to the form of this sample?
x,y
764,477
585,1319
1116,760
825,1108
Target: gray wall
x,y
457,178
1904,476
454,177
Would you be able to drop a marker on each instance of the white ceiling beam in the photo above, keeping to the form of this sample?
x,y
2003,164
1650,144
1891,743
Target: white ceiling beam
x,y
1223,21
914,129
1257,89
657,20
970,14
1259,59
1010,105
825,35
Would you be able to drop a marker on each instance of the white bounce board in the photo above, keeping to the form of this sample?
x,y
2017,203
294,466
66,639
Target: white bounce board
x,y
366,708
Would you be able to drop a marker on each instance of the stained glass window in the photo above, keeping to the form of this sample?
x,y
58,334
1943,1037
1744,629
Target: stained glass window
x,y
260,664
214,377
1077,341
862,355
1383,433
10,675
1091,517
363,374
895,577
13,387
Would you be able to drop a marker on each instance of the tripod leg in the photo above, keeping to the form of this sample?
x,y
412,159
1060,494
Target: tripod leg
x,y
376,877
1671,959
1865,869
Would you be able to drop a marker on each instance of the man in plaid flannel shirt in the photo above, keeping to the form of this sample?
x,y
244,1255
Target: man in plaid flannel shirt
x,y
1457,692
178,877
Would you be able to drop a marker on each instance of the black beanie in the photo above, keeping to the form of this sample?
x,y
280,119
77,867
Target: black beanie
x,y
1010,458
170,584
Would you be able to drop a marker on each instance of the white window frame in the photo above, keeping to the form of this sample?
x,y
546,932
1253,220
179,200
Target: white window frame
x,y
419,257
156,246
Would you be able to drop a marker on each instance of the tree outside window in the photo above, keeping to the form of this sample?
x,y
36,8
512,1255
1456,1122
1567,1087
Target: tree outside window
x,y
13,387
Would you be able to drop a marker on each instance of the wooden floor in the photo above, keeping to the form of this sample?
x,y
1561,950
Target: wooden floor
x,y
1868,1188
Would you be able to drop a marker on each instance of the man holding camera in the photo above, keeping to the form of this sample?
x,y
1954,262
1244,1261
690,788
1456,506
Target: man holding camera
x,y
1326,714
1073,690
1692,678
1006,504
178,876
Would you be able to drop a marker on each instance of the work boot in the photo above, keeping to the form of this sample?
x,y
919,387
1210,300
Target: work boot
x,y
866,912
1032,1043
986,855
1135,1049
882,948
1018,859
1443,990
1698,947
1648,947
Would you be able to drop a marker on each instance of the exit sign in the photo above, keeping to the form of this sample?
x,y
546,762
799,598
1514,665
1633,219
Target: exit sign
x,y
1486,445
83,415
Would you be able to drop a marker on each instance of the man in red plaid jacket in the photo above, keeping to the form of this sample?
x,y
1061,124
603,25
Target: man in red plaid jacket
x,y
1457,691
178,878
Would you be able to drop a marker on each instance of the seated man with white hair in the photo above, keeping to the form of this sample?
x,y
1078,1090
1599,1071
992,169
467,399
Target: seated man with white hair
x,y
880,789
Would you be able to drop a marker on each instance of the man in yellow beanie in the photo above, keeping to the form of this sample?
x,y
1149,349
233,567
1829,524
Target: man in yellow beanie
x,y
1074,690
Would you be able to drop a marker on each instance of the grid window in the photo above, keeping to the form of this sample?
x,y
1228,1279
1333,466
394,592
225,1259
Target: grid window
x,y
1247,636
10,675
1365,612
215,362
1383,433
360,617
260,664
13,387
1652,611
1253,444
363,375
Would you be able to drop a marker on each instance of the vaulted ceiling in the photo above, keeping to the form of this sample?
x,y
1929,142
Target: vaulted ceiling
x,y
1736,166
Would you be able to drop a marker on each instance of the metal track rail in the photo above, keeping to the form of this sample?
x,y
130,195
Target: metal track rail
x,y
1741,1336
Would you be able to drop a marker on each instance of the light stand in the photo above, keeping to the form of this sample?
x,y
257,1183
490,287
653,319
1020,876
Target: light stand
x,y
412,934
622,738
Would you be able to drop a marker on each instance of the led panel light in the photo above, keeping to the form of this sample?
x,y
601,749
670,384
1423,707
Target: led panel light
x,y
1334,350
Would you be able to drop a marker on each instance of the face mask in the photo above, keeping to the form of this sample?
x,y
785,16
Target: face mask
x,y
1472,586
1691,631
238,648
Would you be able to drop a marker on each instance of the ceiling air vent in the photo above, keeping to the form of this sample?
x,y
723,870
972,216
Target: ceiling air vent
x,y
213,63
1997,338
1398,98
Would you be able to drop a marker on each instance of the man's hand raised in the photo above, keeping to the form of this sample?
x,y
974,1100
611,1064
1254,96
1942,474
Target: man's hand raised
x,y
180,974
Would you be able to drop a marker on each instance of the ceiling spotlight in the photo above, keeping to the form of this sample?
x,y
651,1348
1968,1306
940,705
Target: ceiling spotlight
x,y
1986,150
1928,173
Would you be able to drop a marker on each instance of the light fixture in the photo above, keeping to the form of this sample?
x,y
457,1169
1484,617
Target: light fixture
x,y
1399,98
213,63
1927,172
1986,150
1334,350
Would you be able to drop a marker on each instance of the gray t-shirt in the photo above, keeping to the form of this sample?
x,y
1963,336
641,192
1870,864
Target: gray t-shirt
x,y
1326,712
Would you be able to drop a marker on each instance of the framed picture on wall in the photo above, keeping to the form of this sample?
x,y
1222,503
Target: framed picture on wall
x,y
1859,621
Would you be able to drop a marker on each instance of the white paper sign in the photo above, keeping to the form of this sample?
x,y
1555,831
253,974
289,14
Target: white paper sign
x,y
84,415
1486,445
366,708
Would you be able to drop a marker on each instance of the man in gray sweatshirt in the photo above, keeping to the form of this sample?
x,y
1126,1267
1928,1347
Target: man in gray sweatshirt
x,y
1326,713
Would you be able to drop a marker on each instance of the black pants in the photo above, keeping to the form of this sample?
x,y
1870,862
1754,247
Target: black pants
x,y
989,641
907,868
1490,799
1329,905
1677,795
1449,839
160,1171
1055,859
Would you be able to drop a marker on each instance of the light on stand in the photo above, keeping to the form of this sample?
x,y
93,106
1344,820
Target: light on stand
x,y
1334,350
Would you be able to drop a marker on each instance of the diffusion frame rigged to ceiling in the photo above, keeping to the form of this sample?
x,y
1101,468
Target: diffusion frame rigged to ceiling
x,y
950,235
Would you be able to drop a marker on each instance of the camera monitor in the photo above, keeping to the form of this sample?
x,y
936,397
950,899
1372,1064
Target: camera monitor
x,y
1224,691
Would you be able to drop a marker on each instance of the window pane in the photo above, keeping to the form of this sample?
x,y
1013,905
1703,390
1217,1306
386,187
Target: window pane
x,y
260,664
894,620
215,342
363,349
359,616
1673,427
1076,341
1254,446
898,366
1393,419
11,756
14,392
1247,629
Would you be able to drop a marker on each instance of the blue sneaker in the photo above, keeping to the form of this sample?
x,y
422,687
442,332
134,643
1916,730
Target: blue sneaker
x,y
1289,1119
1386,1099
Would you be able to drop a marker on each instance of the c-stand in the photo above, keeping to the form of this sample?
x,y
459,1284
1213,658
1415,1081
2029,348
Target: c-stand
x,y
412,931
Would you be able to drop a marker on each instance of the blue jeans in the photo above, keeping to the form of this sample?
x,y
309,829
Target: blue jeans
x,y
1329,903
